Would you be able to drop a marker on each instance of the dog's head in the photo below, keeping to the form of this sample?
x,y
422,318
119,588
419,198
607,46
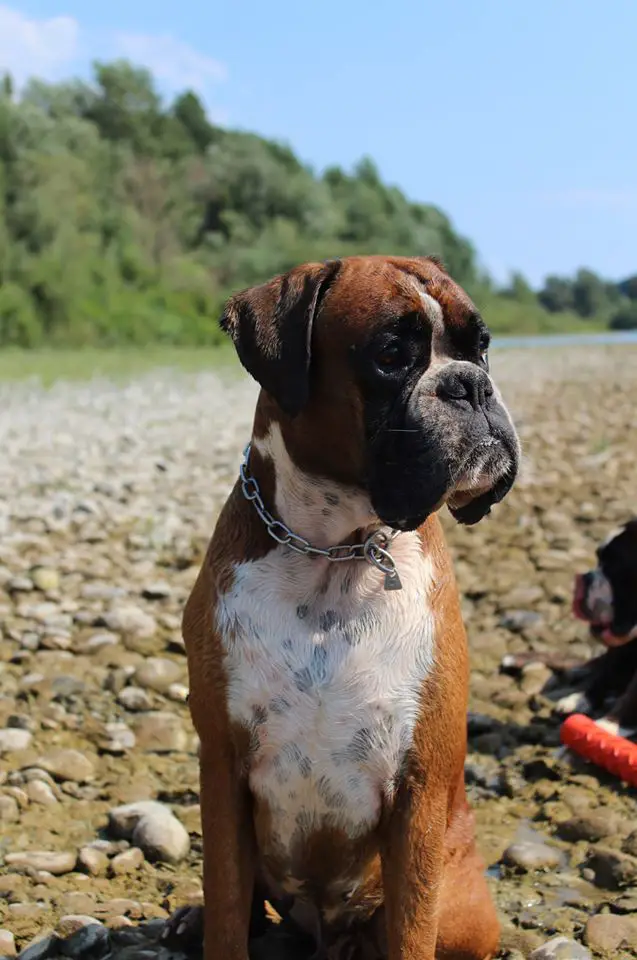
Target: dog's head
x,y
376,369
606,597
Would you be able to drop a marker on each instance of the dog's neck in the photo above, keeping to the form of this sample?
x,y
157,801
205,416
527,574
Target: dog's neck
x,y
323,512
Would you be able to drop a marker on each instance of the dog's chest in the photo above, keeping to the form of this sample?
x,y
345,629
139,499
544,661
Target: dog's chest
x,y
327,676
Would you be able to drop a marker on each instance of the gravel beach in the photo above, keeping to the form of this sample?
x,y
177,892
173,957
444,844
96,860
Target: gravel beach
x,y
108,494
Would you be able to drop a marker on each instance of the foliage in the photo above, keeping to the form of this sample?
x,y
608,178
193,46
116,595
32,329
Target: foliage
x,y
126,221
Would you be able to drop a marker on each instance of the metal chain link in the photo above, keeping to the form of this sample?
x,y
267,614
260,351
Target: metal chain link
x,y
373,549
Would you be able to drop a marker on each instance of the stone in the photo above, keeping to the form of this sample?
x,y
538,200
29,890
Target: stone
x,y
92,861
65,764
127,862
131,620
9,809
157,673
120,907
160,590
159,732
592,826
528,856
152,827
38,791
85,937
561,948
46,579
12,740
49,861
611,869
7,944
518,620
134,699
607,932
117,738
41,949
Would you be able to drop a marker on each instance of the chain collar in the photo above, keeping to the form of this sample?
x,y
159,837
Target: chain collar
x,y
373,549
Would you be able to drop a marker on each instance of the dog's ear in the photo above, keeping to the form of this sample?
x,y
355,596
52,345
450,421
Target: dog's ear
x,y
271,328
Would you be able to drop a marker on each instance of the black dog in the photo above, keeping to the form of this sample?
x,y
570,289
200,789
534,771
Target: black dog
x,y
606,599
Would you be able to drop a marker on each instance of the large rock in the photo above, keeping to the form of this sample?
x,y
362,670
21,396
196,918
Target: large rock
x,y
130,620
67,765
12,740
561,948
152,827
48,860
159,732
528,856
157,673
607,932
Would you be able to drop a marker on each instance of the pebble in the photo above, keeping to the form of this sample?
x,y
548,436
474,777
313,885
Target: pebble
x,y
611,869
591,826
127,862
38,791
117,738
160,590
46,579
65,764
12,740
9,809
157,673
47,860
561,948
84,937
159,732
41,949
93,861
130,620
7,944
606,932
528,856
134,699
152,827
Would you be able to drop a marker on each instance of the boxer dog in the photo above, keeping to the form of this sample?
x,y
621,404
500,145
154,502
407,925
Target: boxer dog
x,y
326,651
606,599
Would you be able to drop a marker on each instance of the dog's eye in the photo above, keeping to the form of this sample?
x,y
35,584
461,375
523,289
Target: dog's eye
x,y
390,357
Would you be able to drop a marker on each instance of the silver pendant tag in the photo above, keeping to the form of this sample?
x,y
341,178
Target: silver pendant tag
x,y
392,581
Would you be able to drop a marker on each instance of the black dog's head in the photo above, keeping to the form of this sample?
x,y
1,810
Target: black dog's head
x,y
606,597
378,367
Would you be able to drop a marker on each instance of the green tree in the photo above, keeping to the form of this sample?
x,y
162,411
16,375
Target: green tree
x,y
557,295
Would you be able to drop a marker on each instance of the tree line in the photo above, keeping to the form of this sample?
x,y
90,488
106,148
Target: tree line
x,y
126,220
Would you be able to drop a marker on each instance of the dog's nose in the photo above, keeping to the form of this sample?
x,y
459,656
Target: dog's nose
x,y
465,382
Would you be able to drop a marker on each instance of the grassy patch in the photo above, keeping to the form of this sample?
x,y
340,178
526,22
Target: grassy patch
x,y
47,366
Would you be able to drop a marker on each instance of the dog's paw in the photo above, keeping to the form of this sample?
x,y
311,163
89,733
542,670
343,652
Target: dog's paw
x,y
573,702
184,929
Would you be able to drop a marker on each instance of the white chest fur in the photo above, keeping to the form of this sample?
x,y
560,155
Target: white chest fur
x,y
326,669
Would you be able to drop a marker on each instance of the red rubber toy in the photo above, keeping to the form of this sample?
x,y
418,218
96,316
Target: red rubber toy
x,y
606,750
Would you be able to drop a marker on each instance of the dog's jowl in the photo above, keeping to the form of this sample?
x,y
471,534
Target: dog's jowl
x,y
326,651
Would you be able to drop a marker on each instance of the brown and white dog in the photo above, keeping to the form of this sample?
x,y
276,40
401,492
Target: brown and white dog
x,y
326,651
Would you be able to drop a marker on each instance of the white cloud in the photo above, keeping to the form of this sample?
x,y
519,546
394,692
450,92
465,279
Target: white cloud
x,y
30,47
174,64
60,47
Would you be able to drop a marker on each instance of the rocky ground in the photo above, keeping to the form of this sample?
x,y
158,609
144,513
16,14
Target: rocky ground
x,y
107,496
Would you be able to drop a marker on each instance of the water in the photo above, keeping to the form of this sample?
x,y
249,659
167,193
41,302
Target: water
x,y
609,338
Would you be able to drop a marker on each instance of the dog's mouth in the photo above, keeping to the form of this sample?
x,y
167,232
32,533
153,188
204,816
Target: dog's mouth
x,y
593,604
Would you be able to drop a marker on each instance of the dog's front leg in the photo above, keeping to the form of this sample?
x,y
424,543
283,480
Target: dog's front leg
x,y
228,856
412,863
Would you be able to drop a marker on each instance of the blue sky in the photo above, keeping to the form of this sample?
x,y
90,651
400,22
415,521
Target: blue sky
x,y
518,119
